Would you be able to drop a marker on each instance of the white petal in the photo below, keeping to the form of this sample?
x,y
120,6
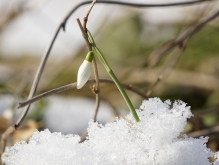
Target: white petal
x,y
84,73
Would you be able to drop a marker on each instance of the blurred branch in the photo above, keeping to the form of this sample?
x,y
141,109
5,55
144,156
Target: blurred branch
x,y
3,141
116,112
87,15
7,15
73,85
168,66
37,78
177,77
207,111
83,136
204,132
140,5
157,55
150,90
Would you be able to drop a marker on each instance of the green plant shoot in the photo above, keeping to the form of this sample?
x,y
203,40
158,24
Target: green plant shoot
x,y
112,75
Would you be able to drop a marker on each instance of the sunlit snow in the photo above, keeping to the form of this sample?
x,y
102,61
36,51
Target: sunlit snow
x,y
153,141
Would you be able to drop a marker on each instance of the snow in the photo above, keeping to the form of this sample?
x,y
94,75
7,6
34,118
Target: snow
x,y
154,140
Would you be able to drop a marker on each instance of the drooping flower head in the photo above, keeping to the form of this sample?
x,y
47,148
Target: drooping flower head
x,y
84,71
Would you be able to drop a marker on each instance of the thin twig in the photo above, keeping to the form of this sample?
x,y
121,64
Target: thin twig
x,y
209,111
87,15
83,136
37,77
72,86
96,106
115,110
181,41
3,140
204,132
174,57
84,34
150,90
193,79
96,89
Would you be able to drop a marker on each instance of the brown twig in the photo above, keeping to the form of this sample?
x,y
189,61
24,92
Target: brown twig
x,y
181,41
174,57
3,140
83,136
37,78
96,87
193,79
209,111
150,90
116,111
72,86
87,15
204,132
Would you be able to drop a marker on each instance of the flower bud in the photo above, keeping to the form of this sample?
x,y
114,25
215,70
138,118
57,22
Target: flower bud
x,y
84,71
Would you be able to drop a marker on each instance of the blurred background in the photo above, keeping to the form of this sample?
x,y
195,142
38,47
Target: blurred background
x,y
131,39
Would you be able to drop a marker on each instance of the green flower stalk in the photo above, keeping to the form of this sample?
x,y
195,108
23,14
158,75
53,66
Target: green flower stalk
x,y
112,75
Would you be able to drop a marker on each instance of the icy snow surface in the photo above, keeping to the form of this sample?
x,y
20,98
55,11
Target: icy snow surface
x,y
153,141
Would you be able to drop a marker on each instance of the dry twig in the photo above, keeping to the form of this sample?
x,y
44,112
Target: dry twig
x,y
72,86
204,132
181,42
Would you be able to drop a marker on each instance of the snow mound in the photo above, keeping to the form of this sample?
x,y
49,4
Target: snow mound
x,y
153,141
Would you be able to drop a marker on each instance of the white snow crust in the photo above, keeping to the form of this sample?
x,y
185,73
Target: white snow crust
x,y
154,140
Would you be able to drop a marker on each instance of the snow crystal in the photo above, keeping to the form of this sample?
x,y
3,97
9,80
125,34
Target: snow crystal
x,y
216,156
154,140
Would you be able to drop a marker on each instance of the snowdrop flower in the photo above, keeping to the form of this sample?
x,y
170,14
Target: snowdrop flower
x,y
84,71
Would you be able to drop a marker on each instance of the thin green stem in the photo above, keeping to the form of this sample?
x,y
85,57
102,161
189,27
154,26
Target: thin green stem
x,y
113,76
125,96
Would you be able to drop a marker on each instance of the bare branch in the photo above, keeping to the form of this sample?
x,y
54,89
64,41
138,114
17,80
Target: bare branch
x,y
37,78
173,58
87,15
193,79
204,132
83,136
73,85
3,140
181,42
209,111
96,88
150,90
